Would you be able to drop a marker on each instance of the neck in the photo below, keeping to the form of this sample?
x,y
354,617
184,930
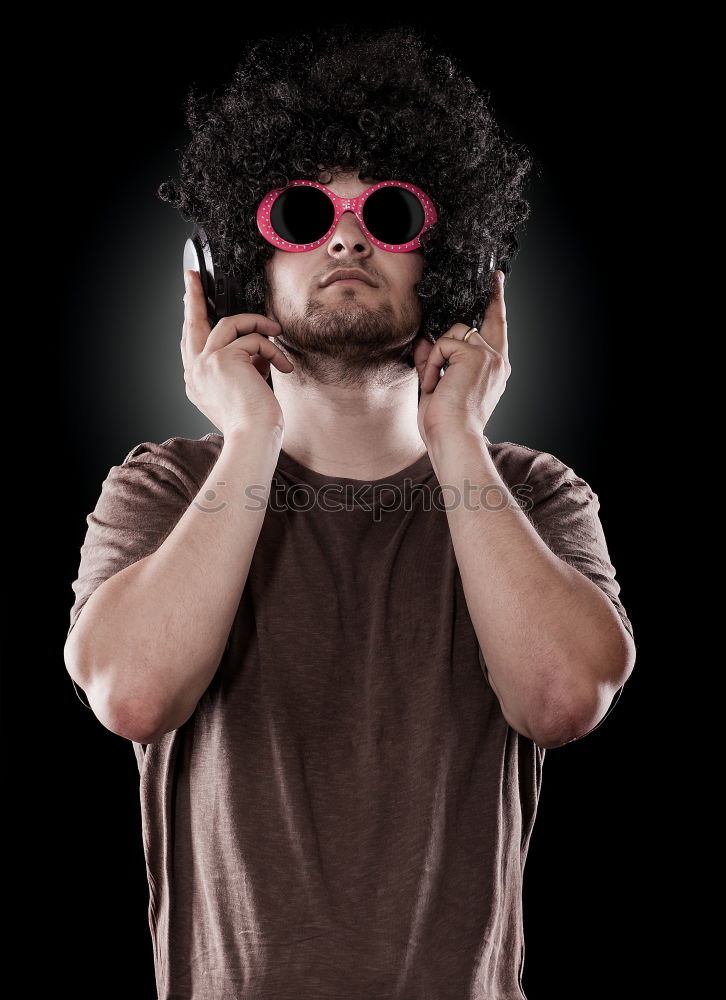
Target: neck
x,y
355,432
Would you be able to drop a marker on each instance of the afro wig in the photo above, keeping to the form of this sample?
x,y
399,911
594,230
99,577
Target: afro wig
x,y
381,102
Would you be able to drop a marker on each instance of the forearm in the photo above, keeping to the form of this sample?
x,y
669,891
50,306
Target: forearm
x,y
554,646
150,638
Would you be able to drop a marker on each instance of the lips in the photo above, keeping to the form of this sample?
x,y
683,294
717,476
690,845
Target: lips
x,y
340,275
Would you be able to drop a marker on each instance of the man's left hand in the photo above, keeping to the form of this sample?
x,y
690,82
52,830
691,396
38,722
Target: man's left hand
x,y
464,396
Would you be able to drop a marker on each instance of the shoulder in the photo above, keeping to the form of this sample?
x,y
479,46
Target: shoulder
x,y
540,473
189,459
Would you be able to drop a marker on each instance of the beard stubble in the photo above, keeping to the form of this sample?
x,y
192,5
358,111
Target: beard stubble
x,y
349,342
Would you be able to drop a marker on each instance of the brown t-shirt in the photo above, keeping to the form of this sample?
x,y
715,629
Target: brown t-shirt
x,y
347,812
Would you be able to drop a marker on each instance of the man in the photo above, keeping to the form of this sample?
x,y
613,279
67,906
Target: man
x,y
343,631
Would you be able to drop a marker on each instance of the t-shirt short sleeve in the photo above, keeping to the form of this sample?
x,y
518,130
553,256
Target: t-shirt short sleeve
x,y
566,514
140,503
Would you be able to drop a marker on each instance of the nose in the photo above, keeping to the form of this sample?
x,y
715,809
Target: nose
x,y
348,236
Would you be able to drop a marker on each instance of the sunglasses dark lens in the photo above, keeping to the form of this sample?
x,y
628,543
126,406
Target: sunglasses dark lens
x,y
302,214
394,215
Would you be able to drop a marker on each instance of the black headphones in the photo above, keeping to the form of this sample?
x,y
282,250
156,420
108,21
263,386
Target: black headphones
x,y
222,291
224,295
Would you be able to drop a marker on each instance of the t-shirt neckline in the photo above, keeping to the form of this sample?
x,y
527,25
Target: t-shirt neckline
x,y
421,468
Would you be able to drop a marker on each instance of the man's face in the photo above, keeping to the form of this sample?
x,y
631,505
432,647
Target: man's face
x,y
346,332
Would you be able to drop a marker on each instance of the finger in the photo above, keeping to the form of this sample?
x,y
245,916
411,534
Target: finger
x,y
262,364
442,351
230,328
421,350
475,338
494,325
196,322
257,347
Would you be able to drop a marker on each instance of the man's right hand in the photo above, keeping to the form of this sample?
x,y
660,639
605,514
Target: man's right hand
x,y
226,369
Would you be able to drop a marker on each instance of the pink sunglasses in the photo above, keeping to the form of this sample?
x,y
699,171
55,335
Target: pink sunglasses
x,y
302,215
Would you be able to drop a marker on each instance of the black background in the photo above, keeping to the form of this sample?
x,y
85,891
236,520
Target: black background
x,y
584,102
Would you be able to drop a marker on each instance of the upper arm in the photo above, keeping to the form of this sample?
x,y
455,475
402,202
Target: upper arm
x,y
567,518
140,502
565,513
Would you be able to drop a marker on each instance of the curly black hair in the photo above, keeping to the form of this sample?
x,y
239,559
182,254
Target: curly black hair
x,y
383,102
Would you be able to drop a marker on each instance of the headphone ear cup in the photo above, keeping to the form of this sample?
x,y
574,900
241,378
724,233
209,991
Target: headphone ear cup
x,y
222,292
198,257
